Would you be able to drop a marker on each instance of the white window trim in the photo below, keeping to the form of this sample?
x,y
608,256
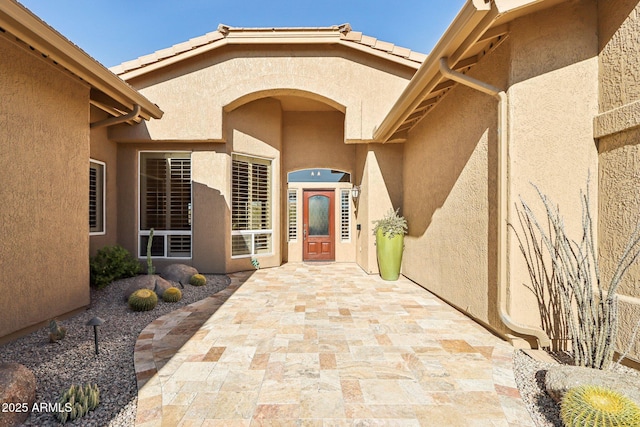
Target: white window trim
x,y
164,233
295,192
348,192
104,198
252,232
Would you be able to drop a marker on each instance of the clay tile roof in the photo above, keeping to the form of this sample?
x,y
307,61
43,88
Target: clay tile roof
x,y
334,34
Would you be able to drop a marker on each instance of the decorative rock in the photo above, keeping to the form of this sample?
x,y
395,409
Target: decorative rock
x,y
17,386
180,273
161,286
560,379
143,281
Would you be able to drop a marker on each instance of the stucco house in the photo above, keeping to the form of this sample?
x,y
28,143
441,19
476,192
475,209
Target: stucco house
x,y
284,144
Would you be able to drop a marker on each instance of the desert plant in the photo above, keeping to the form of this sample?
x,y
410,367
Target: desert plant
x,y
56,332
143,300
77,402
172,294
566,272
112,263
590,405
198,280
391,224
150,268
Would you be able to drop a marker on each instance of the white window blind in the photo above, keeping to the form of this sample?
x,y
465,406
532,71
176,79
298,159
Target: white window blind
x,y
293,215
345,215
165,204
96,197
251,231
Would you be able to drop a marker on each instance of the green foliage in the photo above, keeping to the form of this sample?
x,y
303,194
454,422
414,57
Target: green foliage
x,y
255,263
172,294
150,268
56,332
77,402
198,280
590,405
112,263
391,224
143,300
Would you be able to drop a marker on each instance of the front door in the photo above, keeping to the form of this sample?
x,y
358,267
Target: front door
x,y
318,225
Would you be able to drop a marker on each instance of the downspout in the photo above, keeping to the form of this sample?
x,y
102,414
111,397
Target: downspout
x,y
117,120
503,145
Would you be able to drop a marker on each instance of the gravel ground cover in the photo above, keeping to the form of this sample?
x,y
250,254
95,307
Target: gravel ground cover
x,y
73,359
529,375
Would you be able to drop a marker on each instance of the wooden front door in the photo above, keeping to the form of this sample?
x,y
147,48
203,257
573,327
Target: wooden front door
x,y
318,225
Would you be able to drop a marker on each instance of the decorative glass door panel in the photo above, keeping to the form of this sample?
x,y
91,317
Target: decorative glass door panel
x,y
318,226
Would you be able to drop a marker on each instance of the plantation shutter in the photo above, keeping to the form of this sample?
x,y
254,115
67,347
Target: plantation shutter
x,y
345,215
251,193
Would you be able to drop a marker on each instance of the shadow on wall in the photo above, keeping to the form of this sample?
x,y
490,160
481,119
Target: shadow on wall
x,y
612,14
211,215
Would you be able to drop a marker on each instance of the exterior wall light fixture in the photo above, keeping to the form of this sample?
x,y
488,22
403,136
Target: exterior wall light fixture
x,y
355,192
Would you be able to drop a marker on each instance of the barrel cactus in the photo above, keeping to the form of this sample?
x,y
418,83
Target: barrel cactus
x,y
143,300
77,402
591,405
172,294
198,280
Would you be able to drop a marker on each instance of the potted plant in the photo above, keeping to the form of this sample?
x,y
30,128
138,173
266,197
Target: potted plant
x,y
389,232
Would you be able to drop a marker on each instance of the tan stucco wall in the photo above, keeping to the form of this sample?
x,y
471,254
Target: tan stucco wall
x,y
619,154
548,66
379,172
44,174
315,139
450,195
357,83
104,150
553,98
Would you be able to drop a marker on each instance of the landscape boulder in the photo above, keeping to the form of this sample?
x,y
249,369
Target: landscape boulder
x,y
143,281
17,393
180,273
562,378
161,286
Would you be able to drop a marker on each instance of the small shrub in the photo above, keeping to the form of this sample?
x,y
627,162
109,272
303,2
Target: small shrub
x,y
391,224
112,263
77,402
598,406
198,280
56,332
143,300
172,294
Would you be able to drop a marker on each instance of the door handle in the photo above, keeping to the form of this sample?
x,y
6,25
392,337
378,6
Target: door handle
x,y
305,231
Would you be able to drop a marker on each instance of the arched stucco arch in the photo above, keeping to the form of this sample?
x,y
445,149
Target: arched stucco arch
x,y
283,92
333,94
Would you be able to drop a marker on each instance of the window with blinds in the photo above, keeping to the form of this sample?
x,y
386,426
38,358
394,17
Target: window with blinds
x,y
345,215
96,197
251,230
165,204
293,215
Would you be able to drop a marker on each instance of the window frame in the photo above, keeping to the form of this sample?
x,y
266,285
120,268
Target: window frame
x,y
103,191
253,232
345,193
292,226
164,233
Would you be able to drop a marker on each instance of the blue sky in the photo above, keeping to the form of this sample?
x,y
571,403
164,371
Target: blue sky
x,y
116,31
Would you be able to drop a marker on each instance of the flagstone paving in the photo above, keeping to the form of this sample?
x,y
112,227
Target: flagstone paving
x,y
323,345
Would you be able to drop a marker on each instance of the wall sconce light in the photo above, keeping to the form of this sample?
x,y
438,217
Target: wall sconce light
x,y
355,192
95,322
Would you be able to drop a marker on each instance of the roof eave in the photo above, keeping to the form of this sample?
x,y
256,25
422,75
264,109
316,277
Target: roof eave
x,y
21,23
473,20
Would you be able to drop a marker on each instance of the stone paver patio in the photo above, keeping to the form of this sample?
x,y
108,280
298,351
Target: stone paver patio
x,y
323,345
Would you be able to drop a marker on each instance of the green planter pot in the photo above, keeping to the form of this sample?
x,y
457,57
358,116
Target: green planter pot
x,y
389,251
